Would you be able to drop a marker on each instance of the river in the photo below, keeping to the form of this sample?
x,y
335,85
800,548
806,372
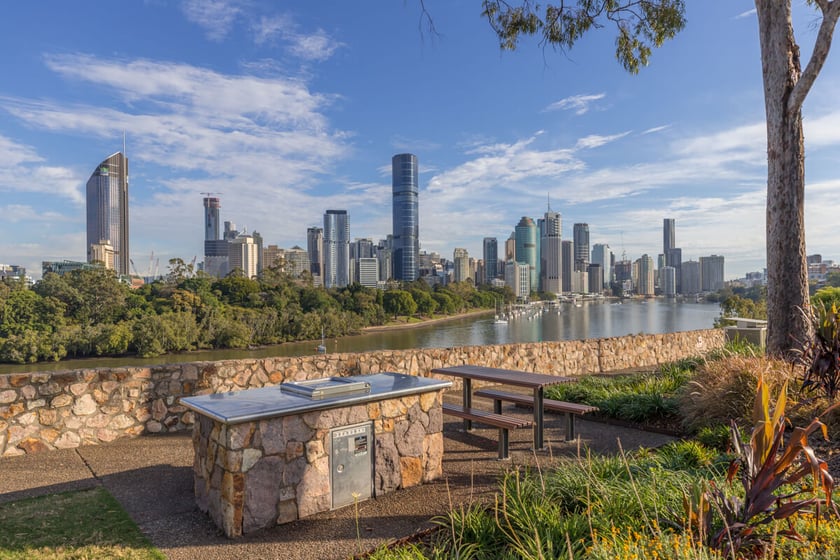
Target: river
x,y
588,319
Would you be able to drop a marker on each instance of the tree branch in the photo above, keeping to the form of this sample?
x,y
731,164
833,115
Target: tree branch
x,y
831,13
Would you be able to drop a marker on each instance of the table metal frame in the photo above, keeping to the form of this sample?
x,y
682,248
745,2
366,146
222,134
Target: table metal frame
x,y
535,381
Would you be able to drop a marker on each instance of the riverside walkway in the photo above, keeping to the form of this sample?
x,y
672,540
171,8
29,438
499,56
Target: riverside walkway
x,y
152,478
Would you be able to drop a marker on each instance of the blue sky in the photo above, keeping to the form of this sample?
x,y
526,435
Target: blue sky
x,y
288,109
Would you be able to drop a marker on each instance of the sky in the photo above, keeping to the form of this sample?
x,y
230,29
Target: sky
x,y
287,109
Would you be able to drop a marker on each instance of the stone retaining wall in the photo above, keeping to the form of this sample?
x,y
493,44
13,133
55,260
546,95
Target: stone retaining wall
x,y
58,410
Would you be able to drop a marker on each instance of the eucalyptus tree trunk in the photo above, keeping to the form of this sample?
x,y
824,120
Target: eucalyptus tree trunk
x,y
787,268
786,86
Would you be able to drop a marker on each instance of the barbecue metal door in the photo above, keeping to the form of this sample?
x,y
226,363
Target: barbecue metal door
x,y
351,464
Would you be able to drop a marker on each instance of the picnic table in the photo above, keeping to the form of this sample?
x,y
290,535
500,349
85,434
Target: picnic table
x,y
535,381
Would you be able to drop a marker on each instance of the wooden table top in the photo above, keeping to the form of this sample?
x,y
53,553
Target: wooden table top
x,y
506,376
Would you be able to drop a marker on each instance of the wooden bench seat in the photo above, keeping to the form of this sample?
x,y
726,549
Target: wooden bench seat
x,y
504,423
570,409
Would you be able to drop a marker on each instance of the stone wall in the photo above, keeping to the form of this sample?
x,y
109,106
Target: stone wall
x,y
258,474
57,410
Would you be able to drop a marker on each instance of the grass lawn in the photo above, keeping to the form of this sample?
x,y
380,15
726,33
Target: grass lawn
x,y
89,524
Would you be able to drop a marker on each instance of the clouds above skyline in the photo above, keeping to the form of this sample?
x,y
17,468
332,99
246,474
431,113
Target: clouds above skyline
x,y
288,113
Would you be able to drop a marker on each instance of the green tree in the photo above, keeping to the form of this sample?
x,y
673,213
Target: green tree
x,y
641,25
828,296
102,295
399,302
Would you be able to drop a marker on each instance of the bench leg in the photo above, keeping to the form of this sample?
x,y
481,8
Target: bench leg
x,y
570,426
503,444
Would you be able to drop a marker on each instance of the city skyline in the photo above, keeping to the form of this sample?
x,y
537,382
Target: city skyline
x,y
290,112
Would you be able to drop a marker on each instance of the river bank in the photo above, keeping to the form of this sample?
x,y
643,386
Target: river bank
x,y
425,322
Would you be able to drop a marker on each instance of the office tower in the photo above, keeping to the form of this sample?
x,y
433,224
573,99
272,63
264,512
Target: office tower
x,y
461,262
242,255
567,264
668,281
211,218
595,278
367,272
315,248
602,255
525,236
551,253
295,261
230,231
384,257
711,273
406,247
274,257
491,258
107,210
668,237
359,249
674,259
645,276
336,249
258,241
581,239
517,277
691,277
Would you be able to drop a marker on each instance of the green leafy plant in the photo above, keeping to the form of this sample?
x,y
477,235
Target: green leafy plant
x,y
772,481
820,355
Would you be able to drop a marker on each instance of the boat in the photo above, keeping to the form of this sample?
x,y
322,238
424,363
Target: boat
x,y
500,317
321,348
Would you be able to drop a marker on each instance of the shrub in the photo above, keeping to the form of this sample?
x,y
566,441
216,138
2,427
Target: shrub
x,y
724,389
820,356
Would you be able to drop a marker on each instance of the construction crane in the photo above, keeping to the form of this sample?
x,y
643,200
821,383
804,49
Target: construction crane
x,y
210,193
134,268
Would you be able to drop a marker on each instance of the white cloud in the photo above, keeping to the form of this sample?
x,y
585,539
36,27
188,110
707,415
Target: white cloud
x,y
597,140
580,104
21,170
656,129
748,13
215,16
316,46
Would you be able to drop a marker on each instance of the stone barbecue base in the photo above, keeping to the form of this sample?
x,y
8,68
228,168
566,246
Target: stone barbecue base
x,y
254,475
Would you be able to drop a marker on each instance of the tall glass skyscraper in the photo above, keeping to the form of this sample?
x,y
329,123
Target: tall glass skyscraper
x,y
107,211
581,239
406,240
551,253
336,249
491,258
526,249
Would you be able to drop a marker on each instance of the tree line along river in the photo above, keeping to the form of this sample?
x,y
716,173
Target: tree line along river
x,y
568,321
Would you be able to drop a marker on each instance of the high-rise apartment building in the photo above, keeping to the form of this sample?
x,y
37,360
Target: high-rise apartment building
x,y
567,265
107,210
526,249
551,252
711,273
517,277
461,265
315,248
646,275
243,255
406,217
491,258
336,249
668,236
581,238
691,278
668,281
602,255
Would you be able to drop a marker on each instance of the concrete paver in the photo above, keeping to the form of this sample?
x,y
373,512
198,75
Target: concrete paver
x,y
152,478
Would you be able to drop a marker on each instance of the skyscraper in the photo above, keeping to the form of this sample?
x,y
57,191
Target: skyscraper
x,y
107,210
211,218
601,256
526,249
405,222
491,258
336,249
712,273
551,253
315,248
668,237
461,262
567,265
581,239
